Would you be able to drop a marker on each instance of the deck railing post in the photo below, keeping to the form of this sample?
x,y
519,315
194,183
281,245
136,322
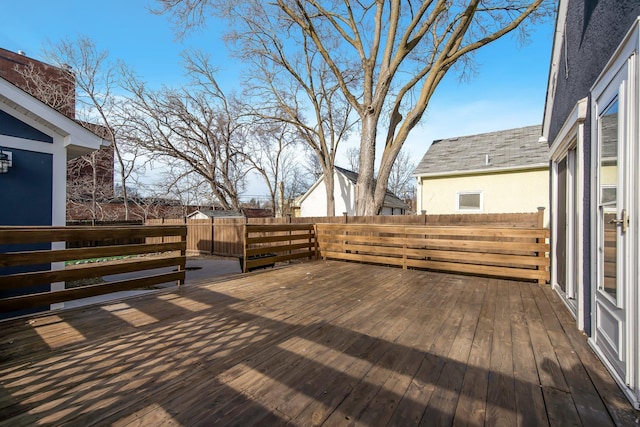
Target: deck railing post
x,y
183,253
541,254
245,234
404,249
212,234
289,223
541,217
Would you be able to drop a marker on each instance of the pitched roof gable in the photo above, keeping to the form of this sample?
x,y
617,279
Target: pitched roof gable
x,y
390,199
512,148
78,140
220,213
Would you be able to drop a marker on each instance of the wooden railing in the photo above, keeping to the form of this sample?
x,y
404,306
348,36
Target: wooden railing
x,y
168,252
518,253
267,244
225,236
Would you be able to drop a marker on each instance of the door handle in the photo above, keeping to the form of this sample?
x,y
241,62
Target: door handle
x,y
624,221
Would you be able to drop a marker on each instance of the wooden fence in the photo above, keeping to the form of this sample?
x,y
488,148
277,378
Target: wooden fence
x,y
169,252
518,253
268,244
225,236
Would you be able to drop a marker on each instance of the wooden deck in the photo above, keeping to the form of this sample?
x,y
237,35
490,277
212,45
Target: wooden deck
x,y
322,343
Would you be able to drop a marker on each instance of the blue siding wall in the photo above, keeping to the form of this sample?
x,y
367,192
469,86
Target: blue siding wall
x,y
26,200
11,126
27,189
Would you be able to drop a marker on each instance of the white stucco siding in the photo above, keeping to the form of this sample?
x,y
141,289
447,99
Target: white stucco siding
x,y
315,202
513,192
345,195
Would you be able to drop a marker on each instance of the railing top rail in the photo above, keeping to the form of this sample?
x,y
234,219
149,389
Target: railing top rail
x,y
21,235
487,231
257,228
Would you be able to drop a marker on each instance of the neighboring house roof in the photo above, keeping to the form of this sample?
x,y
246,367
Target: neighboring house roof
x,y
257,212
218,213
519,148
390,200
78,140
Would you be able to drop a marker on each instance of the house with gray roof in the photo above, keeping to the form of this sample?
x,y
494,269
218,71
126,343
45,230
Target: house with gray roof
x,y
497,172
313,203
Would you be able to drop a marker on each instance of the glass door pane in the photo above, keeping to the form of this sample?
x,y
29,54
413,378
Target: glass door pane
x,y
608,197
561,244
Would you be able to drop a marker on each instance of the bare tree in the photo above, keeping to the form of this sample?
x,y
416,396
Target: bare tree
x,y
297,90
311,168
289,82
400,180
353,158
85,92
87,190
296,182
196,129
271,152
54,88
399,50
401,176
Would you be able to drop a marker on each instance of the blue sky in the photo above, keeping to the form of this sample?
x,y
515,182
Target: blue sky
x,y
507,91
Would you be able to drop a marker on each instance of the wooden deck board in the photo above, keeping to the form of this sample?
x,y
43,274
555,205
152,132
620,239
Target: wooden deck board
x,y
529,398
322,343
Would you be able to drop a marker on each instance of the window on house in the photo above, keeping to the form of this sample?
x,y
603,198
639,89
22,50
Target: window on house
x,y
470,201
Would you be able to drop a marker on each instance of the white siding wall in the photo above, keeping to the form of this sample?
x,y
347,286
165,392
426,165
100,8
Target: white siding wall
x,y
315,204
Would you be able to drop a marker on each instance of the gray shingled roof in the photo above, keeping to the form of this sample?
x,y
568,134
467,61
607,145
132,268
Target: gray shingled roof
x,y
220,213
506,149
390,200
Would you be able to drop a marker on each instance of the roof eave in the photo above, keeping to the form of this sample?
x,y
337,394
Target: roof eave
x,y
483,171
77,139
554,66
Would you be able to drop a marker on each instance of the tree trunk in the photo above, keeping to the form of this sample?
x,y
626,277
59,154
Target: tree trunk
x,y
123,177
281,204
365,202
94,188
329,186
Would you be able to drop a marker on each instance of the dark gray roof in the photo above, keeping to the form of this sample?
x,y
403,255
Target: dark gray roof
x,y
511,148
221,213
390,199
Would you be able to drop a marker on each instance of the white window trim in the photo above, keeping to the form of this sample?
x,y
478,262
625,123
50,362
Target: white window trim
x,y
462,193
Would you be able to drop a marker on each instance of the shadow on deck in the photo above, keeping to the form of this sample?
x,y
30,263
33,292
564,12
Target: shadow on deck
x,y
327,343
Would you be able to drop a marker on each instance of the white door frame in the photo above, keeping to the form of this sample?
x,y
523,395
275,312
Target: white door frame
x,y
624,60
571,136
